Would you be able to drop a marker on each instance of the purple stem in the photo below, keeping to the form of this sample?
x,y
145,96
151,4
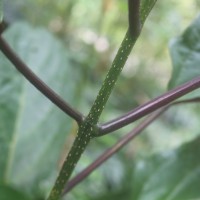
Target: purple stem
x,y
120,144
38,83
149,107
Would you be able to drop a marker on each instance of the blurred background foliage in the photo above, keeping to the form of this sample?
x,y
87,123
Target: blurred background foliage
x,y
92,32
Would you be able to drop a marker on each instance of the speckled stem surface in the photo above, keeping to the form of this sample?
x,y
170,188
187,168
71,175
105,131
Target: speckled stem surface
x,y
88,128
111,78
84,135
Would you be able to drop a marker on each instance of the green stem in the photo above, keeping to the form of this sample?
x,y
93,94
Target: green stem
x,y
84,135
87,129
111,78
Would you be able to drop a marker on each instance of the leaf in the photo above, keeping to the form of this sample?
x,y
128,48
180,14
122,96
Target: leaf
x,y
185,54
175,176
33,130
8,193
1,10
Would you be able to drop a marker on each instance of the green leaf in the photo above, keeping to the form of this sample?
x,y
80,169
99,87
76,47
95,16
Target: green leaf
x,y
185,54
1,10
173,176
8,193
33,130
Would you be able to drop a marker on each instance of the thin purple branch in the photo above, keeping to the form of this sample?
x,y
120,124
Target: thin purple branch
x,y
38,83
149,107
107,154
120,144
193,100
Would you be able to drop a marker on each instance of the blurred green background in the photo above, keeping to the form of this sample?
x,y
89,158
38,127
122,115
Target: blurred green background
x,y
92,32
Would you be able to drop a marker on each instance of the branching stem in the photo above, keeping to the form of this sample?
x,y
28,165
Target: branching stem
x,y
121,143
88,129
107,154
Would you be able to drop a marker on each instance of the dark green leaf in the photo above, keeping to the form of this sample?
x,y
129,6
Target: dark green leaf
x,y
185,54
8,193
175,176
32,129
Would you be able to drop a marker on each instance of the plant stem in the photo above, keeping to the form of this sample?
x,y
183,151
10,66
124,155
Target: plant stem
x,y
107,154
88,128
38,83
194,100
84,135
89,125
134,17
149,107
121,143
111,77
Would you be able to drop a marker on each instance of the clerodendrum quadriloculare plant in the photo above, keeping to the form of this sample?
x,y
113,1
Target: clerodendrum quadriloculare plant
x,y
89,126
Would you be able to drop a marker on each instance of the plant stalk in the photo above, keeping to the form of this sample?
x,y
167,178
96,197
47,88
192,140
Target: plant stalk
x,y
38,83
111,151
150,106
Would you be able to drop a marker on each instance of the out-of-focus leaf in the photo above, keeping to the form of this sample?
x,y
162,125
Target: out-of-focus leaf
x,y
118,195
185,54
114,178
32,129
173,177
8,193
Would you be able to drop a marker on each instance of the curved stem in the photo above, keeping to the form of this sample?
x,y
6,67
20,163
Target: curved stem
x,y
193,100
120,144
107,154
38,83
149,107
